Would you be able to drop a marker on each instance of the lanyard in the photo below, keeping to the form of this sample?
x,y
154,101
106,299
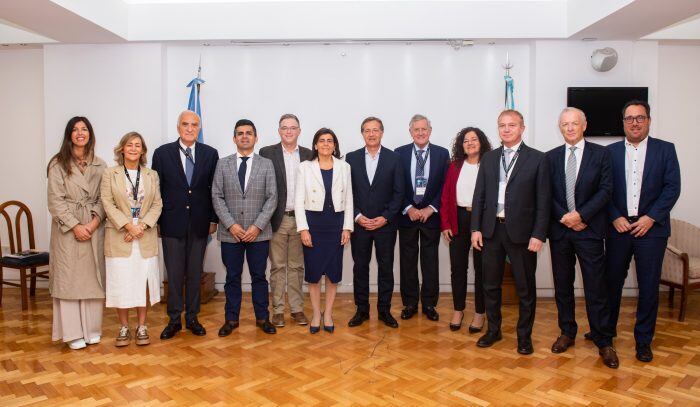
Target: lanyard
x,y
134,187
512,160
187,155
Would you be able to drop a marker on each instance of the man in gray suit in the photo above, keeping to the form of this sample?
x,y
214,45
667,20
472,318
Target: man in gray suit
x,y
286,252
244,195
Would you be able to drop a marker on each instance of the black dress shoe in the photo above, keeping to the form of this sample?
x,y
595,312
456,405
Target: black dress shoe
x,y
609,357
266,326
409,312
644,353
487,340
227,328
388,319
358,318
431,313
457,327
525,346
196,328
170,330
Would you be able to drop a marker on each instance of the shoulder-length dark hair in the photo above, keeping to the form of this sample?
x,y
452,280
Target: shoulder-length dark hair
x,y
458,145
65,153
319,133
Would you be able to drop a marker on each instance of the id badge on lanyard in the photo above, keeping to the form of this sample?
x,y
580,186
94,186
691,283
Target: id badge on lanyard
x,y
421,185
135,212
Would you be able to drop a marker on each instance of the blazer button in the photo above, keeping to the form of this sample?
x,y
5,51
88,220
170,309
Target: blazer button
x,y
188,207
241,213
189,191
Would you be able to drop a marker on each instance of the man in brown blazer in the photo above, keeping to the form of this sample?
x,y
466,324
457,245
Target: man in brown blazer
x,y
286,253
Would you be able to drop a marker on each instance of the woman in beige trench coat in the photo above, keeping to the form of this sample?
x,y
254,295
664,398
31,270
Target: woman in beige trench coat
x,y
76,268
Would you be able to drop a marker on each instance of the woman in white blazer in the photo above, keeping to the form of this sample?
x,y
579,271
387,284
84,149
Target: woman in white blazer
x,y
324,215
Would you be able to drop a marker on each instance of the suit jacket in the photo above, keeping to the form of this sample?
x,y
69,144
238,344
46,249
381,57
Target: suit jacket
x,y
254,206
185,206
383,197
118,209
527,201
661,185
276,155
439,160
592,191
448,201
311,193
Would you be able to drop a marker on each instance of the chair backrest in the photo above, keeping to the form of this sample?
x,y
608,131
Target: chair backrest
x,y
14,229
685,236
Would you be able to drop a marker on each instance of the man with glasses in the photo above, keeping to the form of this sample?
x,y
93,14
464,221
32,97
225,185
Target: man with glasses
x,y
286,252
646,186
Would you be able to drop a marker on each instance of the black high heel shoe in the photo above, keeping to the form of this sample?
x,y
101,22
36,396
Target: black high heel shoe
x,y
315,329
327,328
474,329
457,327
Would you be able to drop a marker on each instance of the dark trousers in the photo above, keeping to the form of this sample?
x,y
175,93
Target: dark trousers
x,y
523,266
459,264
648,255
410,250
384,242
232,255
184,259
591,257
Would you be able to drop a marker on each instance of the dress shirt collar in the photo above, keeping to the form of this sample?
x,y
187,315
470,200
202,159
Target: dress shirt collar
x,y
425,148
376,156
579,145
641,144
284,149
514,148
184,147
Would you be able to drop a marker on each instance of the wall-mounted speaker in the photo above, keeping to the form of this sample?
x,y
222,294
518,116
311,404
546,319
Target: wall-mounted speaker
x,y
603,60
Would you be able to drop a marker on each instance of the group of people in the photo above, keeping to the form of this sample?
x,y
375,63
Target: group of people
x,y
299,207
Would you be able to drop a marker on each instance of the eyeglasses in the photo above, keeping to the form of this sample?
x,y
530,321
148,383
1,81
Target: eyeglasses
x,y
638,119
285,128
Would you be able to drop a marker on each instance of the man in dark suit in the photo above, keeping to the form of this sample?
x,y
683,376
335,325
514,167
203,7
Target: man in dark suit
x,y
244,195
581,188
424,168
510,216
286,252
646,185
378,190
186,171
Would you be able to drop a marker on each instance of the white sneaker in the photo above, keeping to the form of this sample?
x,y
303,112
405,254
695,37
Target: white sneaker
x,y
77,344
94,340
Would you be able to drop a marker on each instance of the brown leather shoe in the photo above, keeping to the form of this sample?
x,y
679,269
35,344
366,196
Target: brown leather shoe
x,y
300,318
562,344
277,320
609,357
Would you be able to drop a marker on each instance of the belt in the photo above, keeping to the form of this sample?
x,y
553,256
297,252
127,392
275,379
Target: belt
x,y
289,213
466,208
500,220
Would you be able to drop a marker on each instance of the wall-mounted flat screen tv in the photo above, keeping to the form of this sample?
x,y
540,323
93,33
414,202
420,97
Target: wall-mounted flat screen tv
x,y
603,107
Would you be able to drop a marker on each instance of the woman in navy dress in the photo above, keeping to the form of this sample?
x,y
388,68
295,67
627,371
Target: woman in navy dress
x,y
323,207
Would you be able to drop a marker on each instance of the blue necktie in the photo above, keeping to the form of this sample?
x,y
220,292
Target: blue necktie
x,y
241,172
189,166
420,173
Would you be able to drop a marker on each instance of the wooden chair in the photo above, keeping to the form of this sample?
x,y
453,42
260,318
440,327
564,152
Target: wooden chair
x,y
17,244
681,268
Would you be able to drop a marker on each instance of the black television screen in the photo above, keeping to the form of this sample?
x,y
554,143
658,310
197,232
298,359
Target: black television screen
x,y
603,107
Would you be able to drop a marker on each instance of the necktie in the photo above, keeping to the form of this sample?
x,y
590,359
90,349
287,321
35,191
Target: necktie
x,y
509,156
571,180
189,166
420,174
241,172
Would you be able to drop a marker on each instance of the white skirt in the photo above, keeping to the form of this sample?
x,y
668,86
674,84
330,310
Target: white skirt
x,y
128,278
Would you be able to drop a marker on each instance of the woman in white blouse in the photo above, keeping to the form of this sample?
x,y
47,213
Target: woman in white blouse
x,y
131,198
455,215
324,214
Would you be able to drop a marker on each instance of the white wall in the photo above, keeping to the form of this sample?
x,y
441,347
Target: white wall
x,y
23,165
142,87
678,120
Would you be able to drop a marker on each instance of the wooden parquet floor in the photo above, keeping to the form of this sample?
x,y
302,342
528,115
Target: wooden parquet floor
x,y
421,363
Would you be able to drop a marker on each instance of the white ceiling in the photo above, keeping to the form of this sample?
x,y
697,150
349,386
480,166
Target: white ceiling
x,y
37,22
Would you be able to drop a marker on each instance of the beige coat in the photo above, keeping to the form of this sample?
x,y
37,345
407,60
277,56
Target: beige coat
x,y
76,269
118,210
